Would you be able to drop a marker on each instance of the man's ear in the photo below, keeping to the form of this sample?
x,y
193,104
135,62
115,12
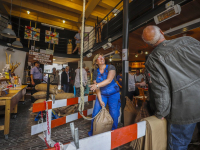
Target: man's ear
x,y
162,32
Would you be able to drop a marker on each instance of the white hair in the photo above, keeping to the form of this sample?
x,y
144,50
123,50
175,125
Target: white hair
x,y
156,38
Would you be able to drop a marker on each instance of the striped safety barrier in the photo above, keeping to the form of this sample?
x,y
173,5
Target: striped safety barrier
x,y
111,139
35,129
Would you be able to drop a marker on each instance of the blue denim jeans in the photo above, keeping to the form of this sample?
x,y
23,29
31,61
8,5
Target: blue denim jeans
x,y
66,88
179,136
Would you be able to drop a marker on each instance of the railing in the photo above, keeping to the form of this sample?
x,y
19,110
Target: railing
x,y
95,36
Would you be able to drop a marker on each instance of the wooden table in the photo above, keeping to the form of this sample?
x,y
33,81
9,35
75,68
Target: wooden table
x,y
10,101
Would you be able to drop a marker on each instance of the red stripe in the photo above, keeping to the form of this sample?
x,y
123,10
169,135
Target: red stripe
x,y
91,98
41,106
123,135
84,113
58,122
72,101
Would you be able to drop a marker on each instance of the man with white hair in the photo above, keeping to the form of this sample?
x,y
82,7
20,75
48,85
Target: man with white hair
x,y
173,75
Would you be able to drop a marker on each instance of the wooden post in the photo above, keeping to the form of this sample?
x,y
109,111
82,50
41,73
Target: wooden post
x,y
7,117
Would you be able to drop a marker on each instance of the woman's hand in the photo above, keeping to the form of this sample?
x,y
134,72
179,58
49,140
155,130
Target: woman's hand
x,y
93,87
102,103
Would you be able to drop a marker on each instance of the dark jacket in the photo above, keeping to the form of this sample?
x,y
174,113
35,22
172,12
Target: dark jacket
x,y
173,70
64,78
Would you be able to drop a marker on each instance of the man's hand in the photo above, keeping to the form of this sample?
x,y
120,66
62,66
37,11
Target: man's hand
x,y
33,83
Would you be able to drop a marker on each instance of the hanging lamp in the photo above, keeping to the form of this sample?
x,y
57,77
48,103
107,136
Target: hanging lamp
x,y
17,43
8,32
116,56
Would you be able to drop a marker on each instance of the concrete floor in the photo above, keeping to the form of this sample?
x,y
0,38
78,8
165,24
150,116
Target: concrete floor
x,y
20,132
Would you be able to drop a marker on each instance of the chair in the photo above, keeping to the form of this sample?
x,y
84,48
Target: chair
x,y
141,97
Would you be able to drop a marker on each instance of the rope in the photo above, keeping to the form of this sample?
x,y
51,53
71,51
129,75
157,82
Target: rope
x,y
81,105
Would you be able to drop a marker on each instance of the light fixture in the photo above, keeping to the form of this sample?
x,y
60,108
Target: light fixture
x,y
17,43
116,56
89,55
8,32
28,12
48,25
146,53
107,46
115,14
172,11
136,55
110,58
54,59
63,21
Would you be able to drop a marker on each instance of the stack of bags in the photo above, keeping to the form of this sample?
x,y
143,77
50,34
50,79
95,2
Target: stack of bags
x,y
42,92
59,95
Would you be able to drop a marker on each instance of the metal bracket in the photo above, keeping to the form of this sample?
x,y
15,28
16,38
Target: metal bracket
x,y
75,135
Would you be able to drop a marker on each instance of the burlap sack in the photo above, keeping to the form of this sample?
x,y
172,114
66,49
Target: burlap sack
x,y
143,113
40,101
40,95
67,110
64,96
103,122
130,112
60,91
43,87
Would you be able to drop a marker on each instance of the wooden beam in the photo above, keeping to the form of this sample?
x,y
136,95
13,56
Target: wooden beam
x,y
91,5
2,127
2,103
40,19
109,4
46,9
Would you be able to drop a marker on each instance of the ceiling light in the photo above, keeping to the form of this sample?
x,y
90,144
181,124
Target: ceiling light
x,y
136,55
110,59
146,53
115,14
28,12
17,43
54,59
116,56
89,55
63,21
185,29
8,32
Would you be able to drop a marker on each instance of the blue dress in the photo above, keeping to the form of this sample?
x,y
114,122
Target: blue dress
x,y
111,96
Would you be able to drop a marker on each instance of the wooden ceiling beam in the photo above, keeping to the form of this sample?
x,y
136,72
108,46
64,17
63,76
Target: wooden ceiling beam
x,y
46,9
40,19
91,5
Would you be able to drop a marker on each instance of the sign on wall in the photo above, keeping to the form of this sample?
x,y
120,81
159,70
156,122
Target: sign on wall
x,y
51,37
32,33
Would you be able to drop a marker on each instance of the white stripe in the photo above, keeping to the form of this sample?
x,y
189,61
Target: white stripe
x,y
71,117
97,142
85,99
38,128
89,111
141,129
59,103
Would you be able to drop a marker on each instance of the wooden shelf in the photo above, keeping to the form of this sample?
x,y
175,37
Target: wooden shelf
x,y
4,79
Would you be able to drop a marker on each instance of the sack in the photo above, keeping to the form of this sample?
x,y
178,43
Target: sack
x,y
103,122
66,110
143,113
64,96
130,112
43,87
61,91
40,95
136,92
39,101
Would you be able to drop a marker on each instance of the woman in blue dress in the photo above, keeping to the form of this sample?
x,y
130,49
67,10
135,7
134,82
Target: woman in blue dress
x,y
107,90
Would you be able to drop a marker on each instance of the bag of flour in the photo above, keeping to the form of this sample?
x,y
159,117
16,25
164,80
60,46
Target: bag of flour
x,y
130,112
43,87
64,96
40,95
103,122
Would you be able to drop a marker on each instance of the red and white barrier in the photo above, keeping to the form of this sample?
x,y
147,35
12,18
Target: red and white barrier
x,y
110,140
35,129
